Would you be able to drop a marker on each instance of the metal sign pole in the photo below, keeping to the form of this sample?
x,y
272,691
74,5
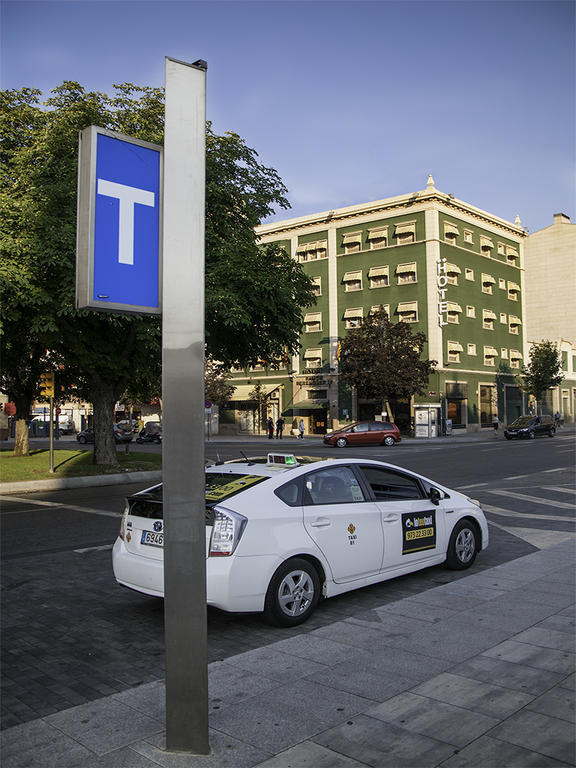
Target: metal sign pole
x,y
183,409
51,434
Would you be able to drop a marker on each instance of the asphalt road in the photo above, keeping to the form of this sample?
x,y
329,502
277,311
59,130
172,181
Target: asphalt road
x,y
71,634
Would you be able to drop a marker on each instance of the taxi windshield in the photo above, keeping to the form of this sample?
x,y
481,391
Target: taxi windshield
x,y
223,485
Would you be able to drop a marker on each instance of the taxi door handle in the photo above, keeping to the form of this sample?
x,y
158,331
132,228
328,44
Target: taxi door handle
x,y
390,518
320,522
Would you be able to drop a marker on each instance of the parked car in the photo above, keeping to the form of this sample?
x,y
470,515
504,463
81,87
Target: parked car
x,y
529,427
150,433
282,532
120,435
365,433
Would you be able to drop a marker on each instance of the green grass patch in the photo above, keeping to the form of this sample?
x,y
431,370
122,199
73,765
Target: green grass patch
x,y
77,463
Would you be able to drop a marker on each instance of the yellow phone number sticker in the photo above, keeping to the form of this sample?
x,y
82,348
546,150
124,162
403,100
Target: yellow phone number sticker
x,y
420,533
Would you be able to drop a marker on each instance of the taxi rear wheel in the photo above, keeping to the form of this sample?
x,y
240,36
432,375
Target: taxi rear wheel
x,y
293,593
463,546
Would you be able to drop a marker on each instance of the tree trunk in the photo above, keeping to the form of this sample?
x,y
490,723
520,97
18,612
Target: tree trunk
x,y
21,443
103,402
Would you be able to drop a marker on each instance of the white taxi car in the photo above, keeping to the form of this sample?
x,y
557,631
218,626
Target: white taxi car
x,y
283,532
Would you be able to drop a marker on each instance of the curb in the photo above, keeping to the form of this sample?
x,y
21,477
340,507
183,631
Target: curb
x,y
30,486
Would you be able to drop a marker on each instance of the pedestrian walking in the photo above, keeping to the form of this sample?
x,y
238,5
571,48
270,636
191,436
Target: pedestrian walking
x,y
557,419
279,428
301,429
270,428
496,424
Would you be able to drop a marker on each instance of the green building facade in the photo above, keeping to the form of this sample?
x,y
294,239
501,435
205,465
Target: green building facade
x,y
450,269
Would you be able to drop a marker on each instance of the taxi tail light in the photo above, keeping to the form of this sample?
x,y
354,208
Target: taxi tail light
x,y
227,531
123,523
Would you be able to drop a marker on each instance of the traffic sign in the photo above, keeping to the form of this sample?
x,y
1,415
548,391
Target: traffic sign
x,y
119,227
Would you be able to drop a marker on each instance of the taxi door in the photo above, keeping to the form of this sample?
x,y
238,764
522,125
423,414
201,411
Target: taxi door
x,y
413,527
343,523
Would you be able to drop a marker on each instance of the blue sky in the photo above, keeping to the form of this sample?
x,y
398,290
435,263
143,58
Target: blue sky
x,y
349,101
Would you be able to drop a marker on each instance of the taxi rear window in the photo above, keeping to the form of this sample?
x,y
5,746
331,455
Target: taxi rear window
x,y
224,485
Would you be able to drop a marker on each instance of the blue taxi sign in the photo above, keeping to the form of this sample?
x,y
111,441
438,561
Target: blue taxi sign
x,y
119,225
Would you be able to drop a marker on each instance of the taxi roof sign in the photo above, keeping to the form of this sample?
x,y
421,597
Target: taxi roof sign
x,y
282,459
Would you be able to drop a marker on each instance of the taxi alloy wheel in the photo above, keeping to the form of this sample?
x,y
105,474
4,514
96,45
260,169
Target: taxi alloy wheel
x,y
293,593
463,546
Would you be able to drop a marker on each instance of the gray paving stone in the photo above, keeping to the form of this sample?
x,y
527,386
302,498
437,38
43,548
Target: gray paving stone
x,y
226,752
533,656
440,721
380,745
362,679
547,735
560,623
519,677
548,638
510,614
487,752
150,699
314,648
569,682
420,611
310,755
104,725
38,745
491,700
228,684
121,758
558,702
274,665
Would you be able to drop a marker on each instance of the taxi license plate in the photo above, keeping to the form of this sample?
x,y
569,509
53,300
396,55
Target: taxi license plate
x,y
152,538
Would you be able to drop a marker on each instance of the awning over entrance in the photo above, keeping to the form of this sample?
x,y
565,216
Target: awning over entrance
x,y
308,405
242,391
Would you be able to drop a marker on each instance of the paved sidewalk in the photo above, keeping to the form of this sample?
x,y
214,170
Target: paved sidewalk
x,y
478,672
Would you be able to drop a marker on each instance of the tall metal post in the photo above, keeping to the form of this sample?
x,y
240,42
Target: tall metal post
x,y
183,409
51,435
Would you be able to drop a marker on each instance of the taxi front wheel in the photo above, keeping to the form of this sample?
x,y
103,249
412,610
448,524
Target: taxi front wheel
x,y
463,546
293,593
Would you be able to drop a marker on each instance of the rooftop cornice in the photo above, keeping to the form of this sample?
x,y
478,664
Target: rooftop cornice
x,y
400,203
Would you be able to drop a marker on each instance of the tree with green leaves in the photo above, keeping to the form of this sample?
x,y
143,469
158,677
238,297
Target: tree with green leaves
x,y
383,360
254,295
543,371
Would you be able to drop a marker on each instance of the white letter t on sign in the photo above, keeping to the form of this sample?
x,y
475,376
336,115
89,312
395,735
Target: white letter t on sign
x,y
128,197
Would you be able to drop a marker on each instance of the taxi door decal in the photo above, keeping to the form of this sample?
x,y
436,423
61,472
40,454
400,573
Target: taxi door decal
x,y
418,531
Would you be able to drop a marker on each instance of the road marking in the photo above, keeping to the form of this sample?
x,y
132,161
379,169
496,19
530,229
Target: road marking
x,y
537,538
559,469
55,505
93,549
527,515
516,477
476,485
534,499
560,490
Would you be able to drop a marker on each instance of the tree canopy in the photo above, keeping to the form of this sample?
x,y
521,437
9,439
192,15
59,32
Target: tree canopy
x,y
543,371
254,295
383,360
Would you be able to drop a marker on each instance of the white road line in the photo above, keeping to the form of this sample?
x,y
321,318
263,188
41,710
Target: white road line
x,y
516,477
534,499
93,549
476,485
56,505
527,515
560,490
558,469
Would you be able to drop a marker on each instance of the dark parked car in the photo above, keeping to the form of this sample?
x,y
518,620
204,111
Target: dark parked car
x,y
365,433
120,435
529,427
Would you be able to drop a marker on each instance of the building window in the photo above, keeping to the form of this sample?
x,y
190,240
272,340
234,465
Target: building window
x,y
490,355
377,238
503,353
486,246
313,322
317,286
515,358
379,277
406,273
502,283
452,272
513,291
471,349
378,307
469,274
408,311
312,251
501,249
353,318
468,236
317,394
453,312
451,232
313,358
511,255
352,242
487,283
503,318
488,318
454,349
470,311
405,232
514,324
352,281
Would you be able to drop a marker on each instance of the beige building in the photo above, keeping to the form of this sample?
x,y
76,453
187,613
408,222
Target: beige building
x,y
550,292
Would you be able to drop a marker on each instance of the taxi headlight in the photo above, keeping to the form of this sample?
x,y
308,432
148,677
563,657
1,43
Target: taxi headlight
x,y
226,532
474,501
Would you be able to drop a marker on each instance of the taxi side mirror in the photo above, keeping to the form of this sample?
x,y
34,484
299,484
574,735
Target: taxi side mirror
x,y
435,496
